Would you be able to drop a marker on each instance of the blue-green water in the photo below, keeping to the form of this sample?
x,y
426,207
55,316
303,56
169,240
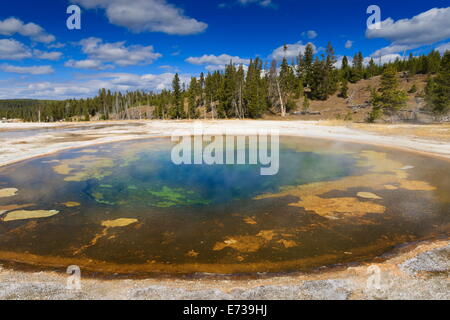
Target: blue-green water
x,y
201,218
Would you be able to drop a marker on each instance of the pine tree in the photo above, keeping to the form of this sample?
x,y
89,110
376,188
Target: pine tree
x,y
227,103
412,65
193,98
357,72
300,89
239,93
372,69
324,77
331,75
287,78
178,108
345,69
413,89
305,65
86,114
254,95
433,62
306,104
438,90
389,99
344,89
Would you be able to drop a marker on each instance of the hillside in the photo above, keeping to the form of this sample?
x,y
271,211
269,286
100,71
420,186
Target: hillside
x,y
357,106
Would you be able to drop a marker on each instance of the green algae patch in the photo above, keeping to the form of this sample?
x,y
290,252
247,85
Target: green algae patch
x,y
170,197
143,196
25,214
8,192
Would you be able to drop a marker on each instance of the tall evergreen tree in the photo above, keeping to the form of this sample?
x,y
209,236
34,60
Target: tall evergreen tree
x,y
438,90
344,89
357,72
193,98
389,99
178,105
305,65
345,69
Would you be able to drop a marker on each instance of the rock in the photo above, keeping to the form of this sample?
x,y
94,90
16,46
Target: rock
x,y
8,192
71,204
122,222
327,289
368,195
166,293
270,292
38,291
436,260
25,214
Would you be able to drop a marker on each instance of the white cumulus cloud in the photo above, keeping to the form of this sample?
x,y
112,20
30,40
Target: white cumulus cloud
x,y
34,70
89,64
310,34
116,53
405,34
11,26
88,87
444,47
378,60
44,55
293,51
262,3
211,59
146,15
11,49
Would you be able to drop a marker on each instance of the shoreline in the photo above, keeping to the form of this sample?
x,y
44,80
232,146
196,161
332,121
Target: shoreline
x,y
332,281
404,274
426,147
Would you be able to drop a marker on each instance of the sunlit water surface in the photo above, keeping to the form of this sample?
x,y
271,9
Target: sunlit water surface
x,y
126,208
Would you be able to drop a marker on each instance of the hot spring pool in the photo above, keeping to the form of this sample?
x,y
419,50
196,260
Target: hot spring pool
x,y
125,208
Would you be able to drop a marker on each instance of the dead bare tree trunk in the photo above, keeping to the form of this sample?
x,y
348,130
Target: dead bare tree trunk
x,y
282,107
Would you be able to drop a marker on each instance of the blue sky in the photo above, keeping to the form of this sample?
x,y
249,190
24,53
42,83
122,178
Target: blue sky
x,y
140,44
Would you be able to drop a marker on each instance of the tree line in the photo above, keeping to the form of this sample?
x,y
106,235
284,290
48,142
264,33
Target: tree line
x,y
252,91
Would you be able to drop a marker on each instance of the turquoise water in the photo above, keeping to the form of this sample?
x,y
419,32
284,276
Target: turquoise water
x,y
126,208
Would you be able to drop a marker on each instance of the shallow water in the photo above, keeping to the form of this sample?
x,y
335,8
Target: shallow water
x,y
126,208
